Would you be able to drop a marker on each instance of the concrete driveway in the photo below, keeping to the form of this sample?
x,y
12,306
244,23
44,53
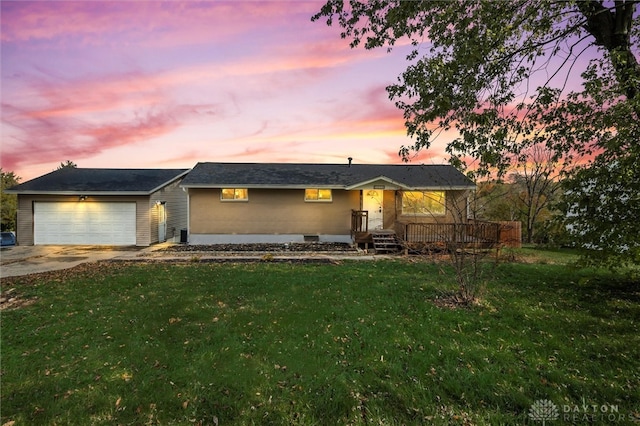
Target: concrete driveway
x,y
23,260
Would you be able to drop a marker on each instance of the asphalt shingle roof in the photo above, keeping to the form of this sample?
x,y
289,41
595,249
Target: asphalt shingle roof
x,y
323,175
84,180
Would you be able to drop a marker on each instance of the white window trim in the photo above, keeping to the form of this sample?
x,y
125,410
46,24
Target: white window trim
x,y
234,200
324,200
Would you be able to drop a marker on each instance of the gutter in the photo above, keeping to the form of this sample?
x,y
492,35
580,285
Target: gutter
x,y
88,192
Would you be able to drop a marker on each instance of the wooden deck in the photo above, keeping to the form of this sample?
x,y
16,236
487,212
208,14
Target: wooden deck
x,y
417,237
430,237
472,232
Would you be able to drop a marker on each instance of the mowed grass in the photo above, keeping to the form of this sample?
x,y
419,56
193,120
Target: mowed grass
x,y
349,343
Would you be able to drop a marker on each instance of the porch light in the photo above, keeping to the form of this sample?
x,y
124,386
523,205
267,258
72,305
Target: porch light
x,y
83,197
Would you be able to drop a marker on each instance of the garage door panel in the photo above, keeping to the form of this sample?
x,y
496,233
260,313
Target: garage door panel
x,y
85,223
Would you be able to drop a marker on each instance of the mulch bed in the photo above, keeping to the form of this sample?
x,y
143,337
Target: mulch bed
x,y
264,247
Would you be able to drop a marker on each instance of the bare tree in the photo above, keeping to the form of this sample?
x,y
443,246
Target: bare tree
x,y
444,225
536,182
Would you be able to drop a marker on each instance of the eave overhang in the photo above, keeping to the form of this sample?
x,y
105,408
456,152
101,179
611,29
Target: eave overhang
x,y
373,184
382,182
256,186
78,193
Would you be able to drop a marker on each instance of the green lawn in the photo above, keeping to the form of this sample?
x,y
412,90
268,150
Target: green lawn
x,y
351,343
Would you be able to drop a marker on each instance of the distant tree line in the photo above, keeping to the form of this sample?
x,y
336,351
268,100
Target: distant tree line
x,y
9,202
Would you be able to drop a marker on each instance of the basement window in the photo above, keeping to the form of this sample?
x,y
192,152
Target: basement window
x,y
424,203
234,194
315,194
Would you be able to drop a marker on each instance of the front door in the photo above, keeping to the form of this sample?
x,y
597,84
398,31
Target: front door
x,y
372,202
162,223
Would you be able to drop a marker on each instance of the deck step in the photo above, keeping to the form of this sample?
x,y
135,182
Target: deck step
x,y
385,241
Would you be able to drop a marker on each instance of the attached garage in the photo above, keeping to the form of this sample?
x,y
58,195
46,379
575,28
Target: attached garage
x,y
86,223
115,207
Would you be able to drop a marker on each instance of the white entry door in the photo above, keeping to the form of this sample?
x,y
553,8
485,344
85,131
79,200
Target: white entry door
x,y
162,223
84,222
372,202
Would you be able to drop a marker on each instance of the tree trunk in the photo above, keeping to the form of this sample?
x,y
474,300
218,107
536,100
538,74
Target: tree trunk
x,y
612,30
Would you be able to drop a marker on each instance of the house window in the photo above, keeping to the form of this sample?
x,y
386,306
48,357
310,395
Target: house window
x,y
424,203
234,194
315,194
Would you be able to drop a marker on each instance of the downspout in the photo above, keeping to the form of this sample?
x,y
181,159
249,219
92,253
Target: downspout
x,y
188,214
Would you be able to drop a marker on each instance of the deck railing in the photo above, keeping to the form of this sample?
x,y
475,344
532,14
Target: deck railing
x,y
486,231
359,221
472,232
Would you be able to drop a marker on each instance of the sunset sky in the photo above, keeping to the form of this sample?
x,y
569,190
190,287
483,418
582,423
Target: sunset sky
x,y
167,84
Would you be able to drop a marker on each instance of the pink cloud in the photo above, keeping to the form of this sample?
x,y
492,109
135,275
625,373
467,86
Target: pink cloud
x,y
72,97
300,60
88,21
365,111
79,117
432,155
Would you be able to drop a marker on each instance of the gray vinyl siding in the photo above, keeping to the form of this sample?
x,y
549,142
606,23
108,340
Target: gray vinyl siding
x,y
175,199
24,227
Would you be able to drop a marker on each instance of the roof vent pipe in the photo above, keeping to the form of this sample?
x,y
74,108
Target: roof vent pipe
x,y
350,160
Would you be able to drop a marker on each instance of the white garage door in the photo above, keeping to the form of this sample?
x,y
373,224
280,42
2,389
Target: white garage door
x,y
84,223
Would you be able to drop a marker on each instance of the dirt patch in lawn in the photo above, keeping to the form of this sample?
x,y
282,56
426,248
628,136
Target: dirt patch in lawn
x,y
12,295
11,299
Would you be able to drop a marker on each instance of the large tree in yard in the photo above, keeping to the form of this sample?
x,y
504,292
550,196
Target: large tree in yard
x,y
509,76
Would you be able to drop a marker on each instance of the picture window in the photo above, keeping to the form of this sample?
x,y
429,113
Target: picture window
x,y
424,203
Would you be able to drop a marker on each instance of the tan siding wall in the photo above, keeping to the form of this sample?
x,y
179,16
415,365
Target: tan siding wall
x,y
271,212
176,209
25,214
